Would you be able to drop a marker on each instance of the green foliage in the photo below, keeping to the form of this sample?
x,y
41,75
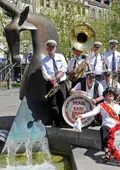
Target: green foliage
x,y
3,22
65,15
105,28
26,40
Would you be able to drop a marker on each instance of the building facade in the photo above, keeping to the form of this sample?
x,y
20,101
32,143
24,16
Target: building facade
x,y
95,8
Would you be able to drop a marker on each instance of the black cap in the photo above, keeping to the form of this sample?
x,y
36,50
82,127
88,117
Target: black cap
x,y
110,89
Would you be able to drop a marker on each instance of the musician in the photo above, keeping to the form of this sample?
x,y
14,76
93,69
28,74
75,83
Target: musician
x,y
109,111
113,56
90,88
96,61
74,63
54,69
107,82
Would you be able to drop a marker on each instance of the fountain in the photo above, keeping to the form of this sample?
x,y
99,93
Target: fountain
x,y
24,134
28,127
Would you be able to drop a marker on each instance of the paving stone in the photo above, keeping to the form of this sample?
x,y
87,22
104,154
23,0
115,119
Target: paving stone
x,y
83,159
90,159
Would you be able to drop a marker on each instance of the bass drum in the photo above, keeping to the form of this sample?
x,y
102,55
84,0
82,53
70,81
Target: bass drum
x,y
75,105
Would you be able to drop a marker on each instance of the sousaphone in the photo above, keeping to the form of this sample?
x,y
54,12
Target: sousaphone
x,y
82,38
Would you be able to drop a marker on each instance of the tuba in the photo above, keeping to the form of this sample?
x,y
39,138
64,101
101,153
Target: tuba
x,y
78,72
82,38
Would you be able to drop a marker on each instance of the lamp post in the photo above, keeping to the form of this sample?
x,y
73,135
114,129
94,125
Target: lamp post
x,y
9,78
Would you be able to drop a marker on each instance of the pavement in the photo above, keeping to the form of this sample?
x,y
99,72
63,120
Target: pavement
x,y
83,158
9,102
9,105
91,159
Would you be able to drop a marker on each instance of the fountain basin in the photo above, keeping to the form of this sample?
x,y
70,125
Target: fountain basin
x,y
39,162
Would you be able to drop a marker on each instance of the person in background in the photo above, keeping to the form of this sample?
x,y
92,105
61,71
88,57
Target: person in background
x,y
96,61
112,57
108,81
109,111
54,68
30,57
74,63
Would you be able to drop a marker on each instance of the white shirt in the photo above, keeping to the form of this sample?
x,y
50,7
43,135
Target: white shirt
x,y
99,63
105,85
48,66
108,58
90,92
72,61
106,118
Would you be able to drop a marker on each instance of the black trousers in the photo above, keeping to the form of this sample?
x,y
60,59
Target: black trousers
x,y
56,101
104,135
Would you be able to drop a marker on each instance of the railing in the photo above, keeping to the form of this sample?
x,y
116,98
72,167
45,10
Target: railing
x,y
5,72
10,69
8,76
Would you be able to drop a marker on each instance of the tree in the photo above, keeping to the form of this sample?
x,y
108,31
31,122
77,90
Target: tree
x,y
65,16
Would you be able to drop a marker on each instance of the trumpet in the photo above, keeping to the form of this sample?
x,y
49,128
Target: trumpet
x,y
52,91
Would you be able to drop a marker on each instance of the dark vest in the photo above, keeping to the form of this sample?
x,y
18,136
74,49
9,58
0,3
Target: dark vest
x,y
83,87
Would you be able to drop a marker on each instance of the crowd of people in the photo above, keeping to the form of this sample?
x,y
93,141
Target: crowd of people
x,y
97,83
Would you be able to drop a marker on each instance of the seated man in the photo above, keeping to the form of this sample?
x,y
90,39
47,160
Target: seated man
x,y
90,88
109,81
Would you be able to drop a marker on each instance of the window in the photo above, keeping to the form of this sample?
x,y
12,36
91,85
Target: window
x,y
106,2
56,5
47,3
99,14
98,1
41,2
93,13
26,1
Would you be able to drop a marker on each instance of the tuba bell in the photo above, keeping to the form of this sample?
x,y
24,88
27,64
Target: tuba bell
x,y
82,37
